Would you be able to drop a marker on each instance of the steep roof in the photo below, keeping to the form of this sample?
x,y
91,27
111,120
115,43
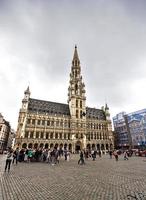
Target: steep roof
x,y
49,107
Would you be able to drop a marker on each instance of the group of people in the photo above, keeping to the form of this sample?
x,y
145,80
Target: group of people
x,y
93,153
51,156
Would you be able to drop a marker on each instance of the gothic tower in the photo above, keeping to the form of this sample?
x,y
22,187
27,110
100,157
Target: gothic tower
x,y
76,90
23,114
77,103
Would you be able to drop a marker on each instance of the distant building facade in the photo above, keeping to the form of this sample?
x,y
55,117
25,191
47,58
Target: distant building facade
x,y
5,129
11,139
130,129
73,126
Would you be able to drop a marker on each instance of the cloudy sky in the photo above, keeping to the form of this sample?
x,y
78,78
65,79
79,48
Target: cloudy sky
x,y
37,39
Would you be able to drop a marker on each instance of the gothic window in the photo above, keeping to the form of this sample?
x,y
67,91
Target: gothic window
x,y
56,135
37,134
26,134
60,135
91,125
95,136
42,134
80,104
33,121
51,135
81,114
31,134
39,122
81,135
28,121
47,135
77,113
76,103
76,89
69,136
99,126
92,136
76,135
43,122
64,135
52,123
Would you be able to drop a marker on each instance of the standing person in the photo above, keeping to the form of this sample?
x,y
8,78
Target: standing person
x,y
9,160
16,155
116,155
81,158
110,153
65,154
99,153
125,155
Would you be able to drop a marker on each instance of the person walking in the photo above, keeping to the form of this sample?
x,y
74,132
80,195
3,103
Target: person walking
x,y
9,160
110,153
81,158
116,155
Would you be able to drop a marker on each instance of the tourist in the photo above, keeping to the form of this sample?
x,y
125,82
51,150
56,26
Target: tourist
x,y
16,155
9,160
116,155
81,158
125,155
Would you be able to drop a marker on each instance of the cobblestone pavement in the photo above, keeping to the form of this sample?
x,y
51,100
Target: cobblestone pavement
x,y
103,179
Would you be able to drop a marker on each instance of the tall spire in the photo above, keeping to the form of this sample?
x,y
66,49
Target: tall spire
x,y
76,57
27,91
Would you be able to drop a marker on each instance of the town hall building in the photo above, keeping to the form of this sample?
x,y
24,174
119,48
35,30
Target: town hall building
x,y
72,126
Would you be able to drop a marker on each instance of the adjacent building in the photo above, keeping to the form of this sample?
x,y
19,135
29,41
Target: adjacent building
x,y
5,129
130,129
45,124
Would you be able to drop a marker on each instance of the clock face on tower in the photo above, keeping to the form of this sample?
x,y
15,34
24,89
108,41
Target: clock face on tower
x,y
24,106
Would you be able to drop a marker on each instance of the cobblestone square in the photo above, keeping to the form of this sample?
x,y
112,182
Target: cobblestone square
x,y
103,179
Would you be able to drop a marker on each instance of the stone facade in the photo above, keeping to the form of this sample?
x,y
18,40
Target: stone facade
x,y
5,130
73,126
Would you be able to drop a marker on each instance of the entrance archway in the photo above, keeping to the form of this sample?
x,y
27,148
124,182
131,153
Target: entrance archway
x,y
78,146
